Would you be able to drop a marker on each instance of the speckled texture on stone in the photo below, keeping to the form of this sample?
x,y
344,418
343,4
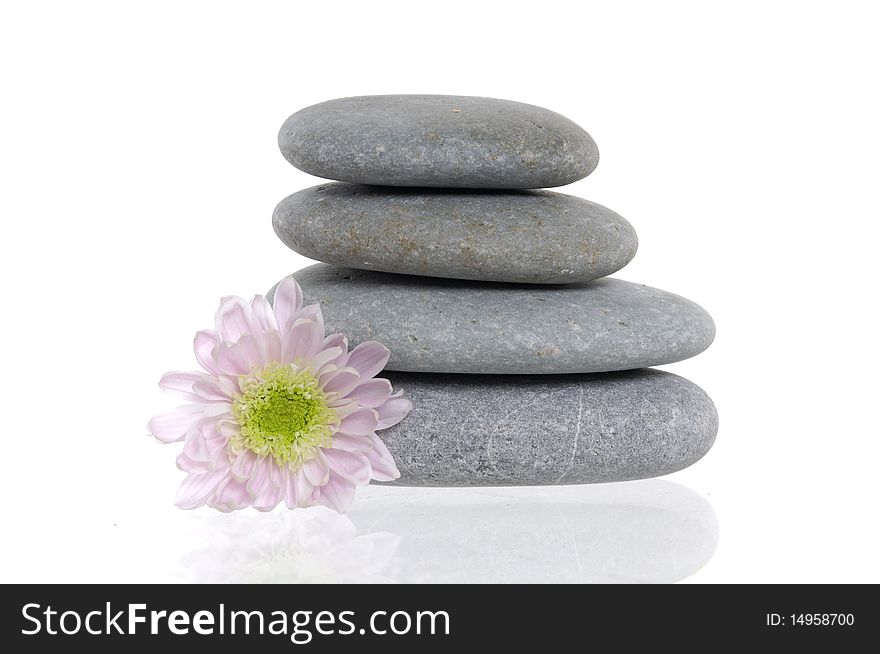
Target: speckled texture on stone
x,y
438,141
500,430
460,234
444,325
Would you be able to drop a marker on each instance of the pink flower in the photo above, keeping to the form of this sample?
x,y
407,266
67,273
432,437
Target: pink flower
x,y
282,414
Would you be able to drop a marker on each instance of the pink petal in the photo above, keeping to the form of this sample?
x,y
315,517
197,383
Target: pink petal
x,y
336,340
342,406
316,470
263,314
277,475
204,344
173,425
324,357
195,448
269,498
230,360
348,465
231,495
253,350
287,301
273,346
197,488
259,475
361,422
290,495
305,492
188,465
243,466
229,428
337,494
341,382
240,357
351,443
181,384
393,411
218,410
384,468
234,319
311,312
301,342
210,390
204,449
369,358
373,392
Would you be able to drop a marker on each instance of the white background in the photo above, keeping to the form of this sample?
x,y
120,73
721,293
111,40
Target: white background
x,y
139,169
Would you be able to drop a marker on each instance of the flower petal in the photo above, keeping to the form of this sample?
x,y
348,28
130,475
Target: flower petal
x,y
342,382
349,465
269,498
305,492
323,357
342,406
277,475
195,448
368,358
204,345
273,346
173,425
361,422
210,390
231,495
384,467
393,411
181,384
259,476
263,314
286,302
373,392
336,494
204,448
243,466
230,360
351,443
253,350
316,470
290,496
188,465
240,357
234,318
311,312
198,487
336,340
218,410
301,342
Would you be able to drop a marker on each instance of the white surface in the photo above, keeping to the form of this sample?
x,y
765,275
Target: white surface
x,y
139,170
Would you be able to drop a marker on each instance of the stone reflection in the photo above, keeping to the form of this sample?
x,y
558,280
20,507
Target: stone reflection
x,y
650,531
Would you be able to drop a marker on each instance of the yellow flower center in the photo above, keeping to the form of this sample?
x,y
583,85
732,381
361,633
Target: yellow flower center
x,y
282,412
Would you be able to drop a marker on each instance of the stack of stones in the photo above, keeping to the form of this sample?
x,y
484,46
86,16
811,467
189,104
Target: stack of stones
x,y
525,364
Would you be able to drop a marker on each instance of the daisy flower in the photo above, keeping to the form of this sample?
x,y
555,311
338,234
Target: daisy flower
x,y
281,413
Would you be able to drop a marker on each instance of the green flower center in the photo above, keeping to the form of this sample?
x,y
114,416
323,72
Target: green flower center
x,y
282,412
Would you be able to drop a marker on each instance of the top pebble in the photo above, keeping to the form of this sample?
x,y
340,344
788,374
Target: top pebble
x,y
438,141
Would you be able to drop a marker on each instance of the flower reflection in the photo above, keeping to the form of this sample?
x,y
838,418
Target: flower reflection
x,y
301,547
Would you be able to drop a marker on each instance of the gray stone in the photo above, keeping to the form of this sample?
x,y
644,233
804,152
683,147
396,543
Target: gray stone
x,y
444,325
501,430
462,234
437,140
